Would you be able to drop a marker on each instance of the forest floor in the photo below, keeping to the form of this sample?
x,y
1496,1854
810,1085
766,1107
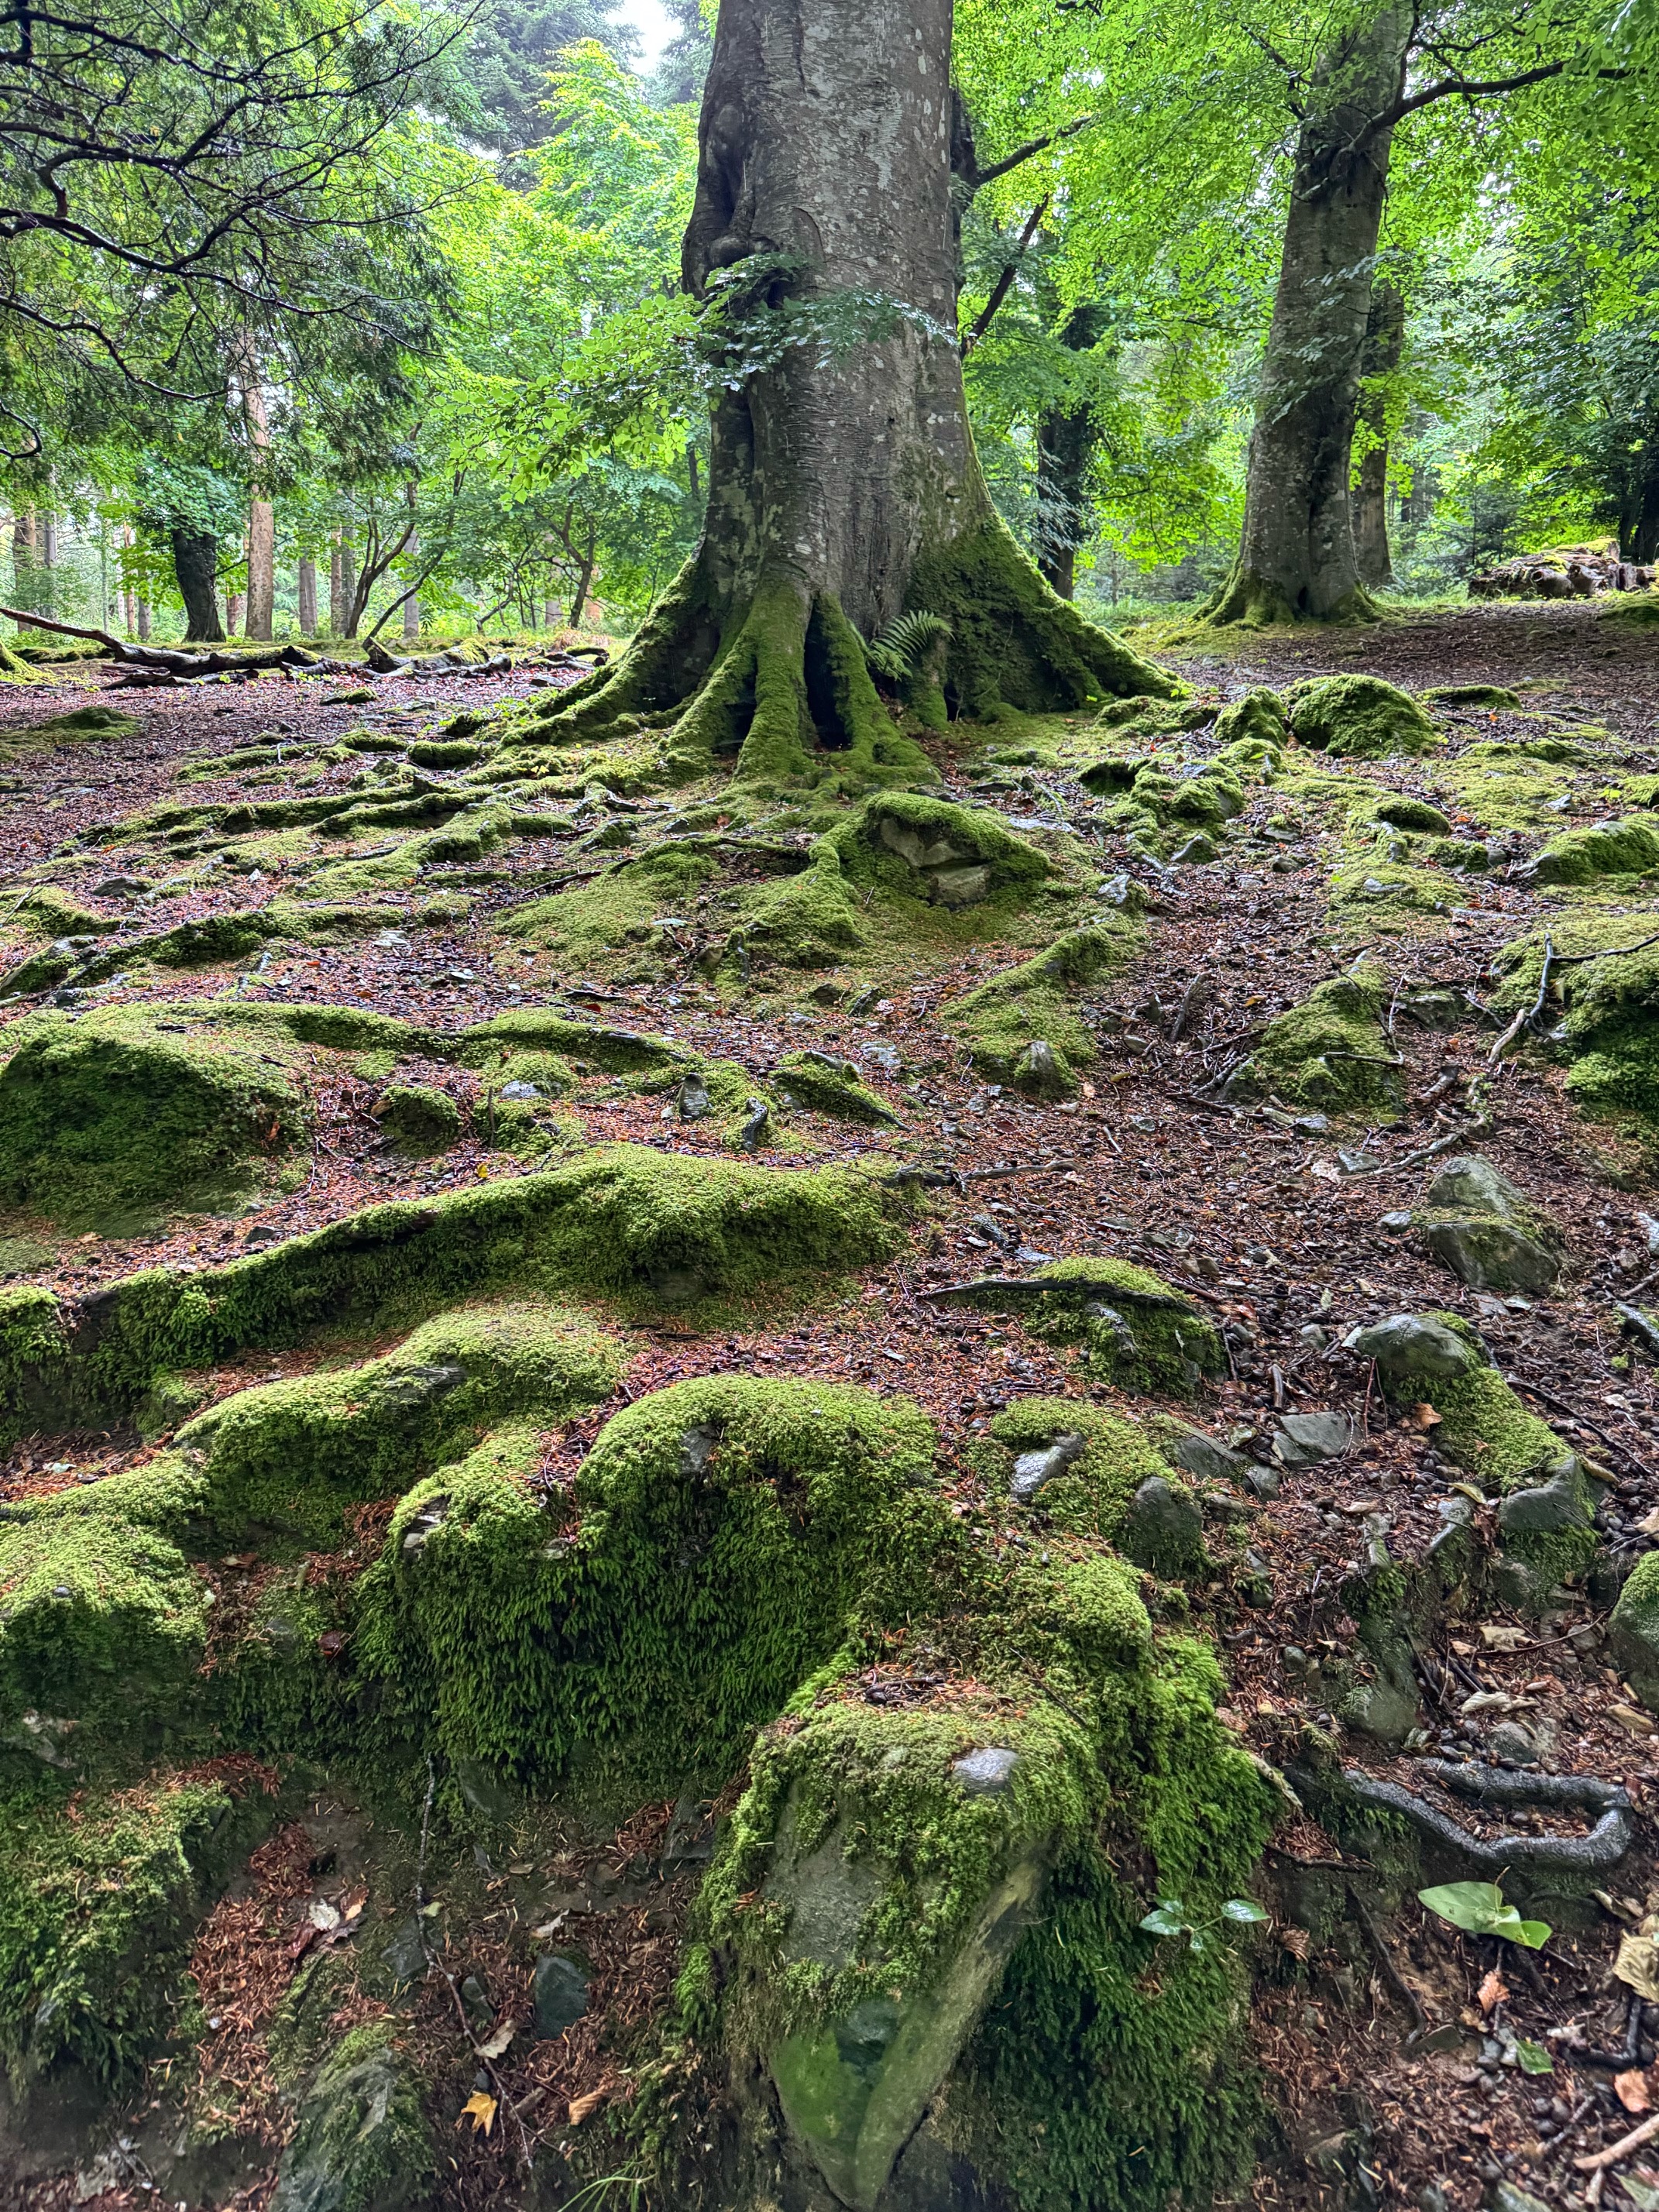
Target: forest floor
x,y
1385,2061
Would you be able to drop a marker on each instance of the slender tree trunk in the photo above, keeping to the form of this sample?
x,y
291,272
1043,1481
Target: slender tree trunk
x,y
128,615
584,581
142,613
337,604
412,605
1638,510
351,589
26,560
1067,438
307,596
235,607
49,541
1297,562
843,487
549,613
1385,335
195,564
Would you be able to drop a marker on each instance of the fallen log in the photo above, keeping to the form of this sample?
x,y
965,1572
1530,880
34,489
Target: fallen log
x,y
171,661
386,663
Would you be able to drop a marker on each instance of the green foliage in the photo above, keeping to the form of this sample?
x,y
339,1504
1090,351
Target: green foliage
x,y
1170,1916
1478,1908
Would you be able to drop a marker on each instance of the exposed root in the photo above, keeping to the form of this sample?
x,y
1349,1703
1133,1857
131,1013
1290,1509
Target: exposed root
x,y
1254,601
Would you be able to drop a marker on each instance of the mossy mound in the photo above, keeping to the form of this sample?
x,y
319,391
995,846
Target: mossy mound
x,y
419,1117
1401,811
1139,1332
1611,1029
1090,1494
595,926
1358,716
1330,1051
1472,695
112,1119
1258,719
1437,1359
829,1086
1033,1000
78,726
1610,849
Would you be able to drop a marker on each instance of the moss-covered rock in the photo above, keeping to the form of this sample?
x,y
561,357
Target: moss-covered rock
x,y
1438,1359
1258,719
828,1085
361,2141
1611,1029
1035,999
1476,1221
1611,848
117,1116
1359,716
1139,1332
1330,1051
1633,1631
418,1117
1401,811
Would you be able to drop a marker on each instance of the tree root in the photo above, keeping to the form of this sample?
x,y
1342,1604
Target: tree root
x,y
1597,1853
1257,602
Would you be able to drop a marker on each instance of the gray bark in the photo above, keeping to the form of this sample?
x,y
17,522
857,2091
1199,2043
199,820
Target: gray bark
x,y
1067,438
195,564
1385,333
1296,558
307,597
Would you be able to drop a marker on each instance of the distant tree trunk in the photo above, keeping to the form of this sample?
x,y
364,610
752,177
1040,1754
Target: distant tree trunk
x,y
411,605
196,565
350,588
49,541
142,612
235,607
307,596
1297,562
1385,335
1639,507
549,613
1067,438
584,580
844,488
337,603
26,560
128,616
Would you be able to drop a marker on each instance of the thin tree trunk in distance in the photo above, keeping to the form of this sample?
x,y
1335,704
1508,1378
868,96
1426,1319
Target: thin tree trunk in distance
x,y
412,604
307,596
584,581
49,541
843,487
1385,334
142,613
235,607
195,564
24,559
350,588
1297,560
1067,438
337,589
128,614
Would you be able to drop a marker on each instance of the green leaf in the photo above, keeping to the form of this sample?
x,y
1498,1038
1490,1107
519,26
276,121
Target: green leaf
x,y
1167,1917
1242,1908
1473,1907
1534,1933
1532,2058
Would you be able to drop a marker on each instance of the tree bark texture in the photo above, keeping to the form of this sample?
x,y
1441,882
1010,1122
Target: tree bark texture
x,y
1067,438
1297,560
1385,335
307,597
843,487
337,588
195,564
1638,508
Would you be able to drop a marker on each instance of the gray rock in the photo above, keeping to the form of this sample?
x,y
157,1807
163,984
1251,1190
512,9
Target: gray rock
x,y
1040,1072
1469,1184
485,1791
1633,1640
558,1993
1196,852
959,887
1396,1225
698,1449
1210,1462
1413,1345
1033,1469
1305,1439
361,2142
1263,1481
1546,1507
692,1102
405,1956
1491,1253
1509,1743
984,1773
753,1134
1163,1528
519,1091
476,1998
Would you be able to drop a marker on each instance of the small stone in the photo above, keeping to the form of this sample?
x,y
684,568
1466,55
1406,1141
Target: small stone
x,y
1305,1439
1201,1456
1313,1336
1504,2197
959,887
404,1956
1040,1073
985,1773
1472,1185
1511,1744
1396,1223
519,1090
1545,1508
1034,1468
1312,1125
475,1998
263,1233
1492,1255
558,1993
692,1101
756,1116
1163,1528
1197,852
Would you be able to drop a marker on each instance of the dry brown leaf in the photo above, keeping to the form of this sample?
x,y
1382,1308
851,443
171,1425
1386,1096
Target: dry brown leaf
x,y
1633,2091
353,1903
582,2108
1632,1719
1493,1990
499,2041
1648,1523
1421,1416
1502,1636
1297,1942
480,2109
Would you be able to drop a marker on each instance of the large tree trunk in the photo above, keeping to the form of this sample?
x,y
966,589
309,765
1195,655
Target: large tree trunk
x,y
1067,438
1297,561
196,563
1385,335
843,486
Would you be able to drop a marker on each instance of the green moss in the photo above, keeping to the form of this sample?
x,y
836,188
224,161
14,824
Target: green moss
x,y
446,752
98,1900
1092,1496
1484,1426
1359,716
594,926
362,2142
1330,1051
1401,811
1258,719
418,1117
294,1456
1139,1333
109,1118
1001,1016
808,920
1614,849
1611,1030
835,1088
1014,642
719,1542
1472,695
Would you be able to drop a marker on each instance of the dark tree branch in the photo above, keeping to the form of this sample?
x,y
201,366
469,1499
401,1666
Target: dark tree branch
x,y
1000,290
1029,151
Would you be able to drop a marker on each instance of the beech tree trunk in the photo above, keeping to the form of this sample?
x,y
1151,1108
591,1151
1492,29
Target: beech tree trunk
x,y
307,597
1067,438
339,604
196,565
1385,335
1297,560
844,488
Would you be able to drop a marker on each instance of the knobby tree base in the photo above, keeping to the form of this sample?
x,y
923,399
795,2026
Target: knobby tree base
x,y
783,687
1258,602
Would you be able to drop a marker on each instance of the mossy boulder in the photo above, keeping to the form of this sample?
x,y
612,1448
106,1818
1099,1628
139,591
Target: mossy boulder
x,y
117,1117
829,1086
1139,1332
927,848
1610,849
1258,721
1035,999
418,1117
1330,1052
361,2141
1401,811
1611,1031
1438,1359
1358,716
1633,1631
1477,1223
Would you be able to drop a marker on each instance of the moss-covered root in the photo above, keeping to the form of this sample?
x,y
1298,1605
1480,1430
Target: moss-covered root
x,y
1257,602
1014,641
1330,1051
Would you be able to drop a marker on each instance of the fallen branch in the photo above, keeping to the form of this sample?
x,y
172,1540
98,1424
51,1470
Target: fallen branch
x,y
169,661
1598,2161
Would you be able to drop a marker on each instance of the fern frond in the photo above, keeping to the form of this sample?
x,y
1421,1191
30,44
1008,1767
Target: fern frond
x,y
902,647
